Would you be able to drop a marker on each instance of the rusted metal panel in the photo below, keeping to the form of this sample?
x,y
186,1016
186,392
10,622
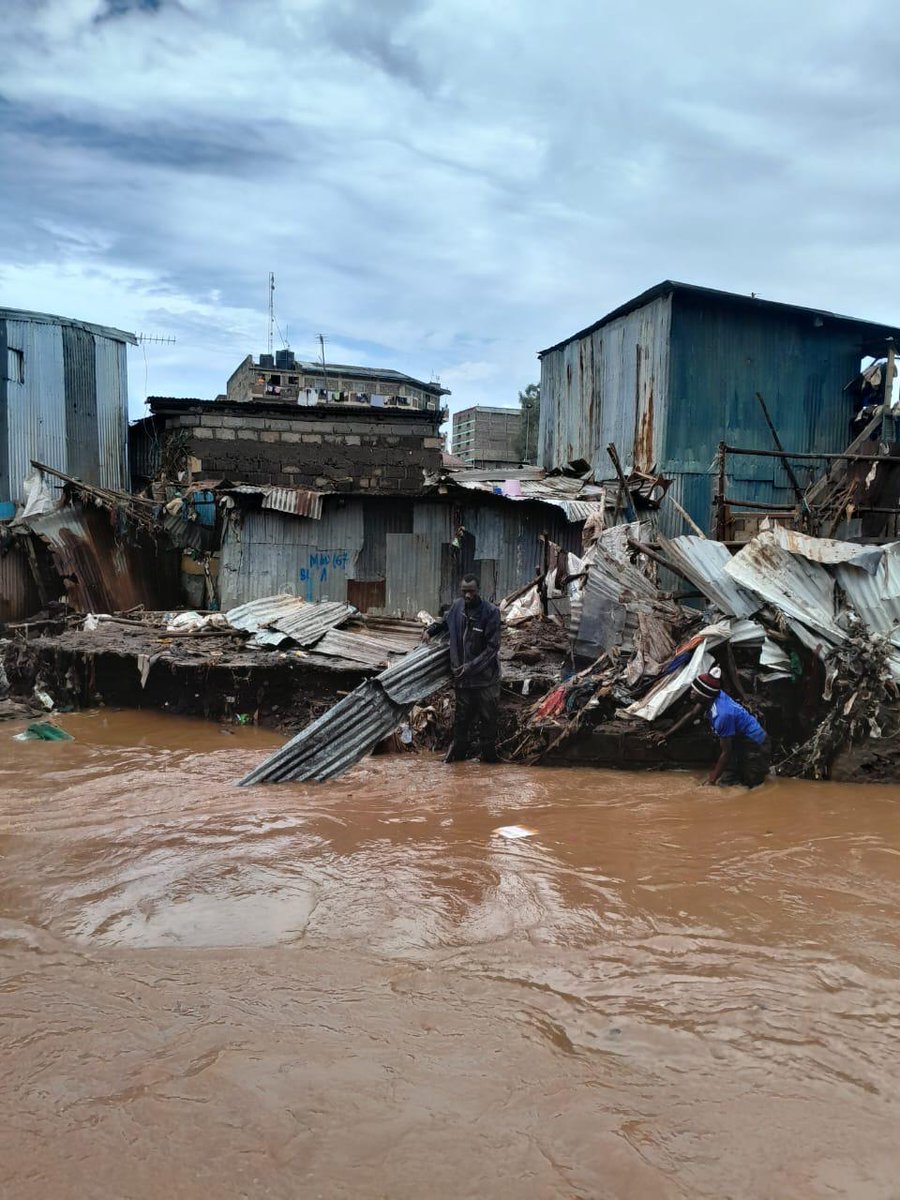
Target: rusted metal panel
x,y
359,649
297,501
704,561
353,727
413,573
407,544
334,742
366,594
265,553
80,373
19,596
100,570
611,385
673,372
67,405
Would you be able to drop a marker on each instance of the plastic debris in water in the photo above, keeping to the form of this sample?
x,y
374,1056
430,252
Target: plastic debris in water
x,y
43,731
515,831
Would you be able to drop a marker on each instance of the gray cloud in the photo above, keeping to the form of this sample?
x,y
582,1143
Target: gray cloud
x,y
439,185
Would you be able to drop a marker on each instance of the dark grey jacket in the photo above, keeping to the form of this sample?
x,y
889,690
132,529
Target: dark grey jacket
x,y
474,642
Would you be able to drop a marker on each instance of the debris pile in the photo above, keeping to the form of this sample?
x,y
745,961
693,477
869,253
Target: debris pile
x,y
805,630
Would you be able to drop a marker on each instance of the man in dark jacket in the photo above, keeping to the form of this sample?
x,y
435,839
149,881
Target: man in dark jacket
x,y
474,628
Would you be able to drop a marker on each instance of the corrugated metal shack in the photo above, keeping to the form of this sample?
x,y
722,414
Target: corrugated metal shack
x,y
63,400
677,370
387,556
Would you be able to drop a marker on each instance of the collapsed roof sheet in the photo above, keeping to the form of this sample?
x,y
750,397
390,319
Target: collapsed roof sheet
x,y
275,619
803,590
358,649
704,562
354,726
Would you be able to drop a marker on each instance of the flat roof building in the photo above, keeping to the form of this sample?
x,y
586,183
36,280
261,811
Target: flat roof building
x,y
486,436
283,377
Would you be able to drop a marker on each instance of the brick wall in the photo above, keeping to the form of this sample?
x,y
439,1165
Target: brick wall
x,y
312,448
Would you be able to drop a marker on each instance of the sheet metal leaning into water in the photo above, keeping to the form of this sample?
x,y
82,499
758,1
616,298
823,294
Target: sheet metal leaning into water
x,y
338,739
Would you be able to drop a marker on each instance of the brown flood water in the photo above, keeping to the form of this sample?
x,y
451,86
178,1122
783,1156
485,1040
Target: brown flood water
x,y
360,990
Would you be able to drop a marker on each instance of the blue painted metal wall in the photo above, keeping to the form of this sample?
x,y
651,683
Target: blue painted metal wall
x,y
670,379
720,357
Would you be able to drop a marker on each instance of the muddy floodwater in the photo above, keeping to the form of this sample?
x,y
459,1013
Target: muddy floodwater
x,y
363,990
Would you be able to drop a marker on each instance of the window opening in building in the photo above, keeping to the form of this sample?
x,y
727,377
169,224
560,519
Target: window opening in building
x,y
15,369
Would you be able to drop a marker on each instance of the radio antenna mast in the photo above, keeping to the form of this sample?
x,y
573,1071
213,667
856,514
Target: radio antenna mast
x,y
324,371
271,309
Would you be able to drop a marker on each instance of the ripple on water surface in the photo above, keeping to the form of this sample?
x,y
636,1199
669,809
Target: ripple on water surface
x,y
699,969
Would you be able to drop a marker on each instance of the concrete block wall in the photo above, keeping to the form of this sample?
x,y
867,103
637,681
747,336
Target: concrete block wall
x,y
318,450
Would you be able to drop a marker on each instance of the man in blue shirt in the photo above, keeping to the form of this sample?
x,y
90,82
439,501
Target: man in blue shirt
x,y
474,628
744,752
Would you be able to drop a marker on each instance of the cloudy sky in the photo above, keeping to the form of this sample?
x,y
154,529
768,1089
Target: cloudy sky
x,y
441,186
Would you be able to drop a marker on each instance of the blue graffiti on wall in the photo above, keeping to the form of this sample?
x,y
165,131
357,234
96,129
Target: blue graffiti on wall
x,y
320,563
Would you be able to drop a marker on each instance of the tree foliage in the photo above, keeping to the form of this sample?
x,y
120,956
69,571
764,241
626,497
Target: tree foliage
x,y
530,404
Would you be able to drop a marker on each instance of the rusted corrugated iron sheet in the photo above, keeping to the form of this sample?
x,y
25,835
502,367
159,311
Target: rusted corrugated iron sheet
x,y
703,561
358,649
609,384
111,363
417,676
333,743
100,571
268,553
296,501
19,596
408,545
69,410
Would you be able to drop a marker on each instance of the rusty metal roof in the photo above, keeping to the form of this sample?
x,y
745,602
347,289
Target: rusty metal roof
x,y
40,318
418,675
333,743
299,502
870,329
358,649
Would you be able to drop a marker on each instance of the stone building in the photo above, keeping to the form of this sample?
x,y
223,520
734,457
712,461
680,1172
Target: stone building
x,y
324,447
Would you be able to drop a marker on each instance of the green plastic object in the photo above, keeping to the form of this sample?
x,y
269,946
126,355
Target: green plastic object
x,y
43,731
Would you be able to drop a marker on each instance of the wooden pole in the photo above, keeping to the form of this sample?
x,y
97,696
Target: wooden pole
x,y
719,501
795,483
686,516
626,495
886,418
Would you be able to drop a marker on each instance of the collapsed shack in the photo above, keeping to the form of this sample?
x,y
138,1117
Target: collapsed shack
x,y
278,661
806,632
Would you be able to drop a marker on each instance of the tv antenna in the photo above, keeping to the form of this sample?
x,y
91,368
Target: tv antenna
x,y
324,369
271,310
154,339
